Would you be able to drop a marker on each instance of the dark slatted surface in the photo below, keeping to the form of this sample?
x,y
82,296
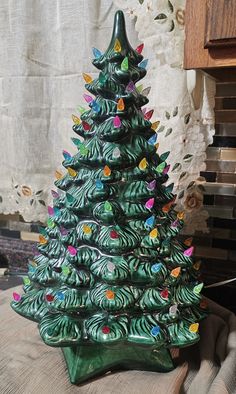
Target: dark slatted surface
x,y
218,248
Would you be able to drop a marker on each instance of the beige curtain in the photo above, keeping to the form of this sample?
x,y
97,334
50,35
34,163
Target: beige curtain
x,y
45,47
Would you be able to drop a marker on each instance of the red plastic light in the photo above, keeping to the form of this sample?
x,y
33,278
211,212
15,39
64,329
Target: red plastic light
x,y
49,297
164,293
86,126
139,48
106,330
114,234
148,114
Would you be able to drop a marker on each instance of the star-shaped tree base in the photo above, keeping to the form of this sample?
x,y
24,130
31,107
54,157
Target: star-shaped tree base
x,y
86,362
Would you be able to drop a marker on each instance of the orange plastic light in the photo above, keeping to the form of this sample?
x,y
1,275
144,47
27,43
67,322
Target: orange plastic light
x,y
120,105
75,119
87,78
180,215
194,327
175,272
58,174
110,295
154,233
188,241
143,164
155,125
197,265
86,229
42,240
106,171
71,171
203,304
166,207
117,46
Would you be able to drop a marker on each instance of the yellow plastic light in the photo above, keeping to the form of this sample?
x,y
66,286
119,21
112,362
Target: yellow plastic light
x,y
194,327
117,46
155,125
87,78
58,174
42,240
154,233
75,119
71,171
143,164
86,229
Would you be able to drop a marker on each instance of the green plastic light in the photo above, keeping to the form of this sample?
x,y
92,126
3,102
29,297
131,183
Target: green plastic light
x,y
26,280
70,198
50,223
102,78
81,109
160,167
197,289
83,150
65,270
139,88
125,64
107,206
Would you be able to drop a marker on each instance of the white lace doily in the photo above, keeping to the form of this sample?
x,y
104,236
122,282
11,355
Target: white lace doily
x,y
186,127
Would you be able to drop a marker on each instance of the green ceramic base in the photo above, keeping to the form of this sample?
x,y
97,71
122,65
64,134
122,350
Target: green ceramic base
x,y
85,362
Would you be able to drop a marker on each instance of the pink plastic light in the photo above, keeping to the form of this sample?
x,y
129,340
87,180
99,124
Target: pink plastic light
x,y
149,204
130,87
152,185
72,250
166,169
16,297
116,121
50,211
88,98
54,194
188,252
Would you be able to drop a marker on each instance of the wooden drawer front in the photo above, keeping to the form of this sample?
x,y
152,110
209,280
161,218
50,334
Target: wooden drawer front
x,y
220,27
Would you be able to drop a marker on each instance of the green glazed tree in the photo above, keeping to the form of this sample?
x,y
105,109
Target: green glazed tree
x,y
111,284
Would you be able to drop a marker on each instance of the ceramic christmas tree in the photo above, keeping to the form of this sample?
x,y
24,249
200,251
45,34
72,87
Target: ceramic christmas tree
x,y
111,284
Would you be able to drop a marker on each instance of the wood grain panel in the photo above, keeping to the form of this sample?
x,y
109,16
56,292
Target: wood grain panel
x,y
195,55
225,116
220,23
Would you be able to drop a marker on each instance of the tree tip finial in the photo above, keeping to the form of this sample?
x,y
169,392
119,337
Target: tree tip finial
x,y
119,16
119,30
